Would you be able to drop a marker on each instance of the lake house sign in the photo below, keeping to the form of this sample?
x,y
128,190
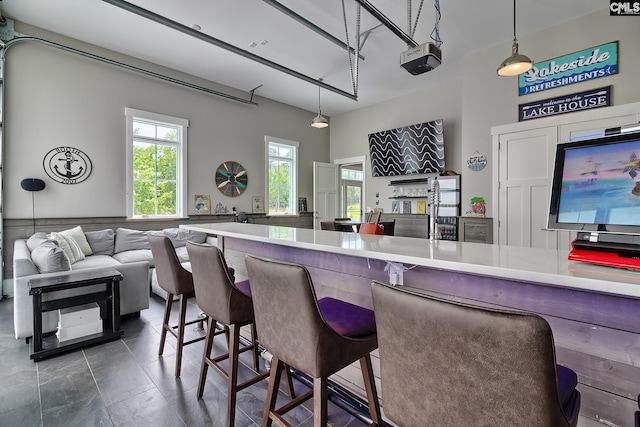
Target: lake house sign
x,y
582,66
570,103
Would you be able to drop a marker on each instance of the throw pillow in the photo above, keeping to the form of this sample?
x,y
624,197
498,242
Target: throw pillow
x,y
102,242
77,234
69,246
48,257
180,236
129,240
36,240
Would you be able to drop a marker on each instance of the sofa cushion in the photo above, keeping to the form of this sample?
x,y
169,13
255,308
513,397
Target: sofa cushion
x,y
36,240
179,236
95,261
128,257
129,240
182,254
77,234
102,242
68,245
48,257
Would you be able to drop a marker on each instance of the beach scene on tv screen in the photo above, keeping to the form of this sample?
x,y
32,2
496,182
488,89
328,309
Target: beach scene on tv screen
x,y
601,185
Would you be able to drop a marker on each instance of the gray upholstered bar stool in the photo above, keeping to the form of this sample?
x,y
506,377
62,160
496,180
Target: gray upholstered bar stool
x,y
229,304
457,364
316,337
174,278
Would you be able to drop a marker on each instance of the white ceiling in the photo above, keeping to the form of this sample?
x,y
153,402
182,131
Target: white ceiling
x,y
465,27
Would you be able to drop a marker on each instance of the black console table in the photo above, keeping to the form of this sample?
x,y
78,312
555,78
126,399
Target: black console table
x,y
102,286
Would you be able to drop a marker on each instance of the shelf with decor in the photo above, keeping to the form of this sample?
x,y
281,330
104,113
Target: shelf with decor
x,y
408,181
406,189
406,197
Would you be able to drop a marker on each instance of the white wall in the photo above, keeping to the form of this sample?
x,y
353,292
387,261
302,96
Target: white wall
x,y
470,107
349,132
54,98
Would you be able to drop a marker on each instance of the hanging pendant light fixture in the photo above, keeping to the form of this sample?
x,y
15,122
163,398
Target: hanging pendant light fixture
x,y
319,121
516,63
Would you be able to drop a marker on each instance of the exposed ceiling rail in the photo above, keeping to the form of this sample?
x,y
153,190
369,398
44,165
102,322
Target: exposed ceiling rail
x,y
290,13
127,67
387,23
354,68
224,45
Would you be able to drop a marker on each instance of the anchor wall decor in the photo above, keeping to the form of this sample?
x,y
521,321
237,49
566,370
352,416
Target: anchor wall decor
x,y
67,165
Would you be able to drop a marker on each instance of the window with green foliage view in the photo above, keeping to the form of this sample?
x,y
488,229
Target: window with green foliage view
x,y
156,178
282,176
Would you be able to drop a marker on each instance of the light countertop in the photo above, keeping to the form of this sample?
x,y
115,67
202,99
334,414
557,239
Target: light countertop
x,y
544,266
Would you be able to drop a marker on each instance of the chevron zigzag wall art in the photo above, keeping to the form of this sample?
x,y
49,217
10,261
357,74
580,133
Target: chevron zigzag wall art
x,y
415,149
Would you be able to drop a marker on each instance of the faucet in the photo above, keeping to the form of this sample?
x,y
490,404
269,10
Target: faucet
x,y
434,231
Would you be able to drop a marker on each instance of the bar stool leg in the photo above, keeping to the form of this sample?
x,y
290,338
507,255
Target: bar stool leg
x,y
289,382
254,350
272,391
165,323
180,336
204,368
320,401
232,379
372,394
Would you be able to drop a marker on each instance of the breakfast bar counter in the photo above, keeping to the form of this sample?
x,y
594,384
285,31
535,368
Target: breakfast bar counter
x,y
545,266
594,311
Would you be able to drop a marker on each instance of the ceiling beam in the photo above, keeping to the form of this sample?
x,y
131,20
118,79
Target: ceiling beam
x,y
224,45
387,23
290,13
16,40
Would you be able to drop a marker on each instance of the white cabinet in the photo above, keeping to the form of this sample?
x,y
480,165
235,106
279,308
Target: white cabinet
x,y
525,154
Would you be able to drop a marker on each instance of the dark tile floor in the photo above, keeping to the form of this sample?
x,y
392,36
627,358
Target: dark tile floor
x,y
126,383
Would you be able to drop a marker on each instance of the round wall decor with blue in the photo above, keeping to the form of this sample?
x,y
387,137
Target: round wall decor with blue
x,y
477,162
231,179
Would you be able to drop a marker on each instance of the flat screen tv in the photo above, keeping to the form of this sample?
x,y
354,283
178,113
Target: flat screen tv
x,y
415,149
596,185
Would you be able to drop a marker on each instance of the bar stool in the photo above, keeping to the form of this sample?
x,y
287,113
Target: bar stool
x,y
229,304
316,337
339,224
457,364
174,278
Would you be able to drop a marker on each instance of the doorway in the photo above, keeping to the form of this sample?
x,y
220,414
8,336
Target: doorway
x,y
351,174
339,189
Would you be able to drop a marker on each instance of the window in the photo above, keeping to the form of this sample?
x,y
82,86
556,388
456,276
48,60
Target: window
x,y
351,183
156,165
282,176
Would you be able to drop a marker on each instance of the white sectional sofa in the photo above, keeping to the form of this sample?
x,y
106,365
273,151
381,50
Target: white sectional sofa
x,y
54,254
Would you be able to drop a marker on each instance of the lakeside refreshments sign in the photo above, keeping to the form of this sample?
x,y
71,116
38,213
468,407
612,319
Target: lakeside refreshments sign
x,y
587,100
582,66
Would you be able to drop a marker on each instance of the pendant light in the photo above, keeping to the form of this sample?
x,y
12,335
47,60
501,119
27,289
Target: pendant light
x,y
516,63
319,121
